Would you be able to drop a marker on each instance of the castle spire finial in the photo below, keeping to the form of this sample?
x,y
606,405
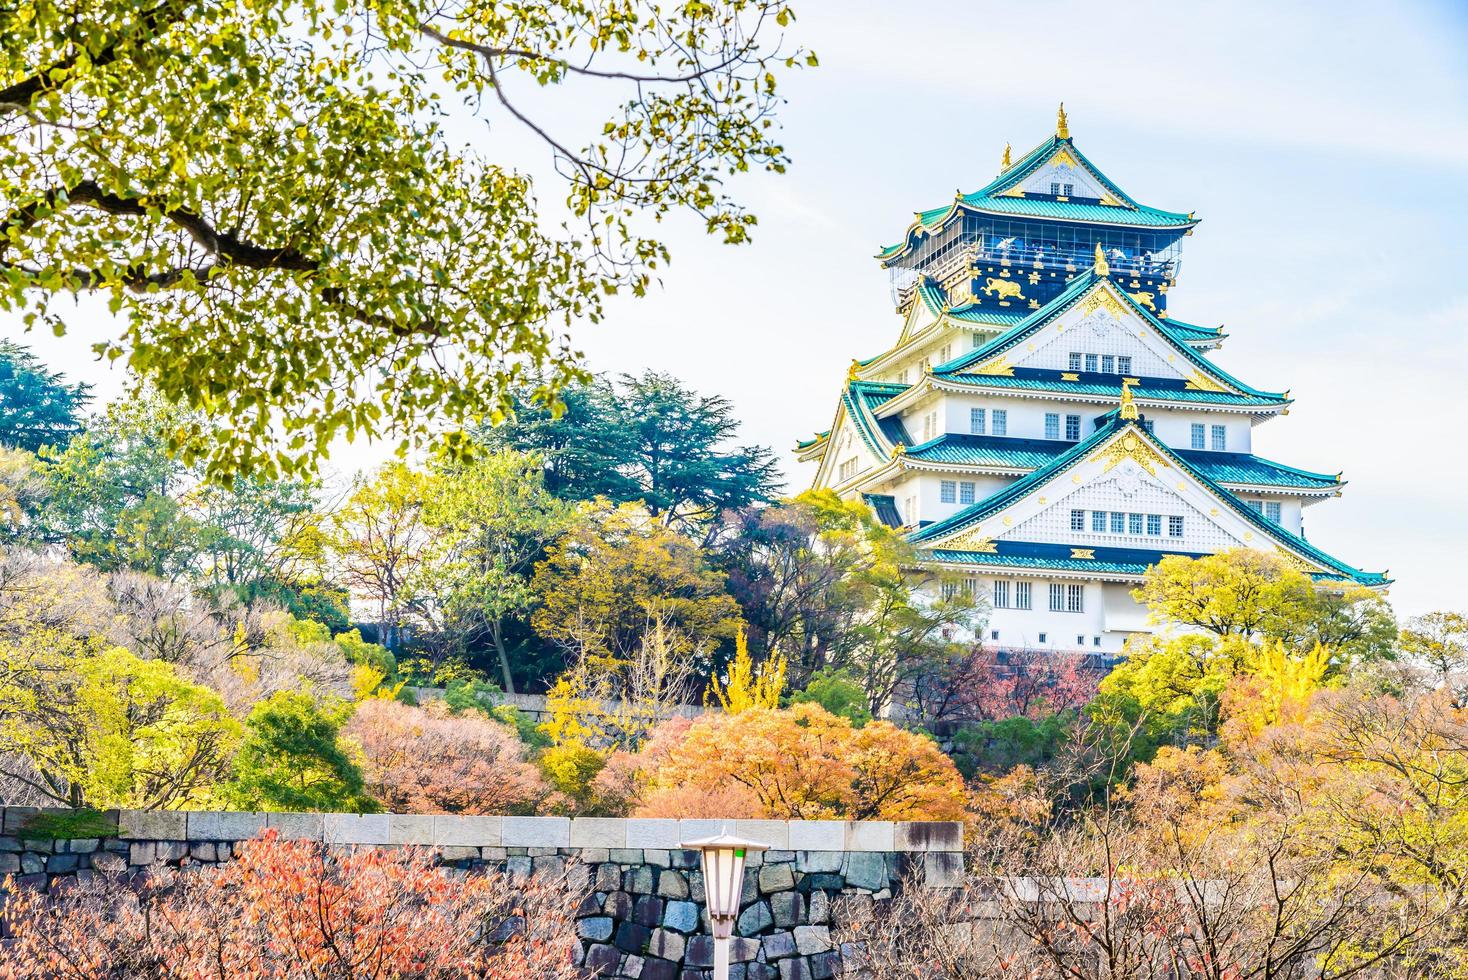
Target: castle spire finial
x,y
1062,125
1102,267
1128,405
1006,163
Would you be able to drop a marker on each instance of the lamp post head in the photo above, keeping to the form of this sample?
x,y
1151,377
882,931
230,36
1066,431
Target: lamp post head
x,y
723,877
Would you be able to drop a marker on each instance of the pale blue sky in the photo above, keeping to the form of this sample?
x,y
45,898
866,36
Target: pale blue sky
x,y
1324,145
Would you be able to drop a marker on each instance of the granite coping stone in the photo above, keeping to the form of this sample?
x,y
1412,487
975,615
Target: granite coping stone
x,y
817,835
468,831
536,831
605,832
356,828
224,825
152,824
297,826
660,834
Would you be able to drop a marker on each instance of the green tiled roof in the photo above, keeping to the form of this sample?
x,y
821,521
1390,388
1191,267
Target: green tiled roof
x,y
1025,485
859,399
1136,563
1073,294
1191,332
987,198
1155,391
1002,452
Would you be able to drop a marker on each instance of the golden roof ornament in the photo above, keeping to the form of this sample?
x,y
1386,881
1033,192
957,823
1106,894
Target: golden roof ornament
x,y
1128,404
898,449
1062,125
1006,163
1102,268
852,371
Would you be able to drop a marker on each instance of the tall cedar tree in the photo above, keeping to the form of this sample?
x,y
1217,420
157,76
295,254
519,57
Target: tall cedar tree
x,y
37,407
649,439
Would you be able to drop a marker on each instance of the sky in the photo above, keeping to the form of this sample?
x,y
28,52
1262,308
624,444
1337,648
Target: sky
x,y
1323,145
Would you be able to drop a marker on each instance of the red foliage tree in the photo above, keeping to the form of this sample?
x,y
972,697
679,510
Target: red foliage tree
x,y
284,910
428,761
989,685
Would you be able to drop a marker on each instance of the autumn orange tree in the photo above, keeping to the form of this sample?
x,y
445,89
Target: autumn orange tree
x,y
806,763
283,910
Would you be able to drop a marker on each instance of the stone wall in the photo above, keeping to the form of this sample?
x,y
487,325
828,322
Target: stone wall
x,y
642,917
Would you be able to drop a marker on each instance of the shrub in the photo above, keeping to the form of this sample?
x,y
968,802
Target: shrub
x,y
292,758
419,760
288,909
839,692
806,763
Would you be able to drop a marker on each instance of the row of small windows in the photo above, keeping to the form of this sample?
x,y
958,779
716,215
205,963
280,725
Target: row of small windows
x,y
1061,190
1044,639
996,421
1101,363
1072,426
1209,437
1117,522
956,491
846,470
1019,594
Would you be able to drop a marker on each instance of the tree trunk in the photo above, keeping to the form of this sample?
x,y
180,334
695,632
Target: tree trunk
x,y
496,630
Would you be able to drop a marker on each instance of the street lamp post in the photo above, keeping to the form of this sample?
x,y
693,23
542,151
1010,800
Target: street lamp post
x,y
723,880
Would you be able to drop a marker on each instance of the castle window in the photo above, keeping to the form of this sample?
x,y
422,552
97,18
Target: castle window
x,y
1001,595
1174,527
1098,520
976,421
1055,188
1052,425
1077,520
1057,597
1257,506
946,354
1154,524
1134,523
1271,510
1220,438
966,492
1000,418
1075,360
930,426
948,492
1044,638
1075,598
1080,641
1073,427
1118,522
1123,364
950,589
993,634
1068,188
1095,641
847,470
1147,425
1090,362
1198,432
1021,595
978,340
1108,364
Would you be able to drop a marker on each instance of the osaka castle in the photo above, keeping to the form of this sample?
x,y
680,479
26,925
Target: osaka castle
x,y
1043,426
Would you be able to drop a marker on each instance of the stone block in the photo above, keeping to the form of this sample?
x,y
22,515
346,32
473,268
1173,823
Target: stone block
x,y
754,920
632,967
151,824
778,945
827,862
818,912
14,817
206,852
825,966
548,865
109,862
866,870
667,944
633,938
871,835
654,969
536,831
172,851
10,844
684,858
466,831
657,857
409,828
141,854
810,940
458,852
355,828
795,969
645,832
618,905
788,908
297,826
672,884
594,855
224,826
647,911
597,929
640,881
817,835
811,884
601,960
928,835
62,863
605,832
84,845
682,916
692,830
9,863
625,855
776,878
607,878
771,833
761,971
942,869
32,864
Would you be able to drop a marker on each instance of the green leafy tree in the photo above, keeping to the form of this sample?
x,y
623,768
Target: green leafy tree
x,y
99,727
292,758
647,439
491,519
276,210
839,692
37,406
